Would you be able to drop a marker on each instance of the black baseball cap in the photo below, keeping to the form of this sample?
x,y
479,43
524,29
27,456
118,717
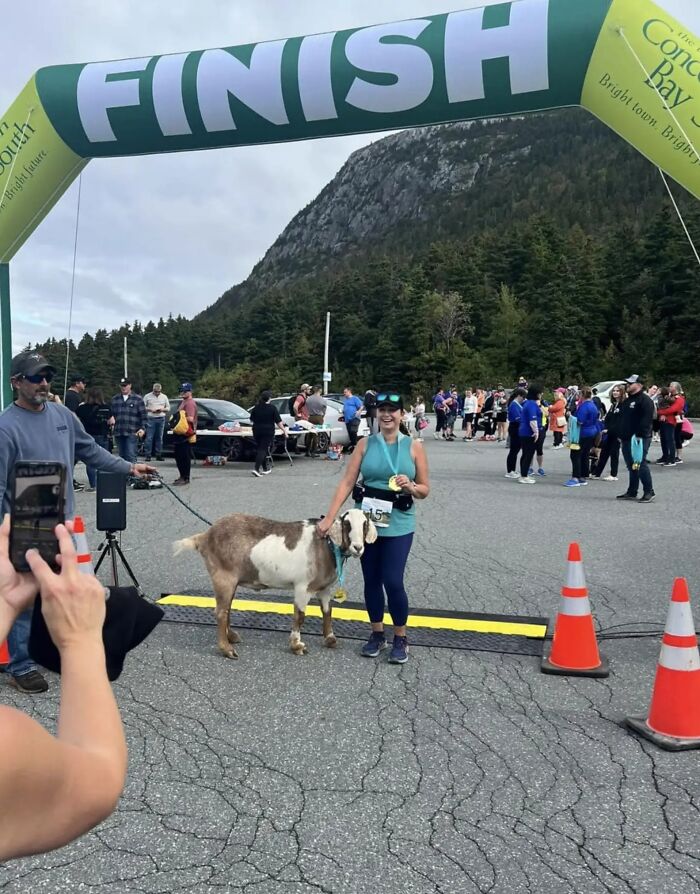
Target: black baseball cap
x,y
29,363
124,382
634,380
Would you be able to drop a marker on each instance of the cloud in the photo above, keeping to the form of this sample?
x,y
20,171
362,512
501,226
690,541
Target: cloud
x,y
170,233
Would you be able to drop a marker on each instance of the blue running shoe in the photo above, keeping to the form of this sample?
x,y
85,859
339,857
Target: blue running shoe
x,y
399,651
374,645
531,471
572,482
541,473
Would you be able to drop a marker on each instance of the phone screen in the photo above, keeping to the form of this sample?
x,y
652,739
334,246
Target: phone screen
x,y
38,505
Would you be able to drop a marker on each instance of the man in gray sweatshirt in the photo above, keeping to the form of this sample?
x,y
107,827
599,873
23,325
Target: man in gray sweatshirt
x,y
36,429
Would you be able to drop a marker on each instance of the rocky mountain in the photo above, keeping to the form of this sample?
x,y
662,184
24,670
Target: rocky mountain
x,y
415,186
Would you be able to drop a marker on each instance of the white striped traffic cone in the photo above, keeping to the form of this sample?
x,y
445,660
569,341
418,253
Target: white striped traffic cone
x,y
674,717
81,546
574,647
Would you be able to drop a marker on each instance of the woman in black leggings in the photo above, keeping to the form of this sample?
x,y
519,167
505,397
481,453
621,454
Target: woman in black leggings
x,y
515,403
264,418
529,430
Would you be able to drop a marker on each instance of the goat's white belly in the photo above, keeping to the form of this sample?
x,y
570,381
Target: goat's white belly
x,y
278,566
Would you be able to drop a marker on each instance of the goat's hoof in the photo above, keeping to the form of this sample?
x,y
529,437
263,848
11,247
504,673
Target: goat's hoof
x,y
330,641
299,648
230,652
233,637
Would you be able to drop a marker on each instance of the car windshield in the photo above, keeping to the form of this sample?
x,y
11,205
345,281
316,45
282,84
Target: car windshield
x,y
604,386
224,409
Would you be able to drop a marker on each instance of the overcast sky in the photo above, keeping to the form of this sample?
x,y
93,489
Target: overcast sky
x,y
170,233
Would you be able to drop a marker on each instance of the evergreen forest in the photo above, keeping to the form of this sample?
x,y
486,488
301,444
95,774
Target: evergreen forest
x,y
570,267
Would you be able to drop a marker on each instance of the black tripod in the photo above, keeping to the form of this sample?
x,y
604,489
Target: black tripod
x,y
110,547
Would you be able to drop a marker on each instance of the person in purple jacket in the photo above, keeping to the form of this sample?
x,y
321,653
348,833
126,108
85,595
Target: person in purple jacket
x,y
588,417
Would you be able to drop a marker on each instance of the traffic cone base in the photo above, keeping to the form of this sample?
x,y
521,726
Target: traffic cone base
x,y
668,743
602,670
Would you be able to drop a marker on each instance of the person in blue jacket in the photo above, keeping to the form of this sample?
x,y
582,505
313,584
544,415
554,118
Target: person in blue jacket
x,y
529,431
588,416
515,412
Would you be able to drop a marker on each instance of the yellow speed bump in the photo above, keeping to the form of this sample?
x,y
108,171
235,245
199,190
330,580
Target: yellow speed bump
x,y
457,622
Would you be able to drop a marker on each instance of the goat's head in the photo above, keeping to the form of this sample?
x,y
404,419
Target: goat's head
x,y
351,531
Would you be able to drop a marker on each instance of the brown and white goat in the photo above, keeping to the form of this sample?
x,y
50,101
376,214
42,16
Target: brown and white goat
x,y
253,552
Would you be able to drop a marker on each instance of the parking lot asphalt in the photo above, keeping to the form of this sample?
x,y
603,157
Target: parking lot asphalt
x,y
459,772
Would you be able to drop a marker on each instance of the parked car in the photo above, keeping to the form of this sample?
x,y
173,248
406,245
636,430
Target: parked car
x,y
333,418
605,391
211,413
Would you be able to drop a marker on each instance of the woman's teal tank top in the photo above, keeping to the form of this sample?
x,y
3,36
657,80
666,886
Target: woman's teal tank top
x,y
376,471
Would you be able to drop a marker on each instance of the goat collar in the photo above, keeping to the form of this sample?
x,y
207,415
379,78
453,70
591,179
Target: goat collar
x,y
340,559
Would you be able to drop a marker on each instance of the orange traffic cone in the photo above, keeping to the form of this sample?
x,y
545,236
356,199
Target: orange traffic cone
x,y
574,648
4,654
81,546
674,716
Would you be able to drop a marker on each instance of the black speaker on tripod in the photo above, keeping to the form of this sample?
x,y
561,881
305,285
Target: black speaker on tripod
x,y
111,517
111,501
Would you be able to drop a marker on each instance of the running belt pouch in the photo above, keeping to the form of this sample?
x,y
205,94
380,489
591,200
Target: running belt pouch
x,y
129,620
402,502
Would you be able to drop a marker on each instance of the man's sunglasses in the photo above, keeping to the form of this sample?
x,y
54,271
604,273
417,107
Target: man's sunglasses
x,y
388,398
39,378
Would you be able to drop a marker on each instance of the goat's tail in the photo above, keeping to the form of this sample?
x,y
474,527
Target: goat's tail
x,y
188,543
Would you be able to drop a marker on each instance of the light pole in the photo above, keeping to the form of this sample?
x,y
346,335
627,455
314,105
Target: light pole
x,y
326,371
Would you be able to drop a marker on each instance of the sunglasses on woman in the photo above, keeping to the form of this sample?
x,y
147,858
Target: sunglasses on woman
x,y
388,398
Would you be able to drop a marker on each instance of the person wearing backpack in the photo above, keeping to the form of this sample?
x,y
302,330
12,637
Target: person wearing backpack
x,y
370,403
297,405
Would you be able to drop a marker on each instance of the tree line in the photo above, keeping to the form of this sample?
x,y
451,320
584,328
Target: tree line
x,y
554,303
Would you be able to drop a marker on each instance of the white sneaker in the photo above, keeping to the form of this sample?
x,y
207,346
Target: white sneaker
x,y
266,471
436,436
526,480
511,475
610,478
256,473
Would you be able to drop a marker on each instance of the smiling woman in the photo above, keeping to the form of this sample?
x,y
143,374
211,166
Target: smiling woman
x,y
394,472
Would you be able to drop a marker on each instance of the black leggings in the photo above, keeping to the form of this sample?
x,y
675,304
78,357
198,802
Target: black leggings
x,y
383,564
609,450
580,464
558,437
529,447
515,445
183,457
540,442
263,441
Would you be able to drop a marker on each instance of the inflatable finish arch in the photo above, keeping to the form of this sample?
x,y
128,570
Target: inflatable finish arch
x,y
516,57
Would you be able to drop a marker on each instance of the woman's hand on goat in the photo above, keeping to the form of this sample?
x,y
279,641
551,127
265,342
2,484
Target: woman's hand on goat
x,y
324,526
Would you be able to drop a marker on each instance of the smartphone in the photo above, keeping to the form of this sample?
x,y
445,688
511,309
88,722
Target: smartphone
x,y
38,505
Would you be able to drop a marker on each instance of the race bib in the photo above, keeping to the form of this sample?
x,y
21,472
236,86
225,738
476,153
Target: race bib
x,y
378,511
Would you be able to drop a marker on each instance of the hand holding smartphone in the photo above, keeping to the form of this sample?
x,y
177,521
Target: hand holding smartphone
x,y
38,505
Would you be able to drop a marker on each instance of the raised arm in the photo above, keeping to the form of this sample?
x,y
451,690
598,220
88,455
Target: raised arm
x,y
60,787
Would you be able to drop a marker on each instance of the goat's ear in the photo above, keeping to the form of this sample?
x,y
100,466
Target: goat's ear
x,y
336,532
370,531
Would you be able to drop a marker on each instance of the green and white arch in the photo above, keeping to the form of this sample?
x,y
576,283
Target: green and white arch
x,y
629,62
